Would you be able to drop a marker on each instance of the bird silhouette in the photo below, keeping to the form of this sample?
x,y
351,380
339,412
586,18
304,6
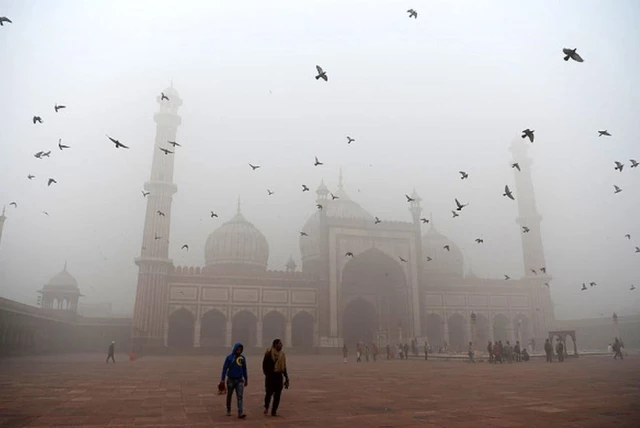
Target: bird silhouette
x,y
619,166
321,74
429,259
144,194
409,199
584,286
480,240
39,155
4,19
377,221
305,188
446,247
508,193
31,177
525,229
543,269
459,205
634,163
547,284
163,97
507,277
317,162
15,204
57,107
455,214
254,167
185,247
173,143
348,254
117,143
516,165
592,284
604,133
160,213
46,154
350,140
633,287
412,14
156,237
628,236
270,192
402,260
528,133
333,197
165,151
463,175
534,271
616,189
637,249
213,214
424,220
51,181
62,146
571,53
45,213
303,234
319,207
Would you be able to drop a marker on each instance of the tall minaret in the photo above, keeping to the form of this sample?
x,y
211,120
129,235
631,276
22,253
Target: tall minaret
x,y
2,219
150,311
532,251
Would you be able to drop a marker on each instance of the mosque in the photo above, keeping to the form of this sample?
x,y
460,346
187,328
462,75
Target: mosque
x,y
399,284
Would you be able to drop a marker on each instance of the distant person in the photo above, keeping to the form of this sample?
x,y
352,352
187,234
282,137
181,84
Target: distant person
x,y
111,352
525,355
406,351
345,353
560,351
366,353
496,353
374,352
274,367
358,353
490,351
617,348
610,349
471,354
508,351
548,349
426,350
234,370
388,349
516,351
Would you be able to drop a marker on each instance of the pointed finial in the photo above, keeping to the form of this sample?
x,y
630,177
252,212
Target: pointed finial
x,y
238,204
340,180
4,208
171,83
65,266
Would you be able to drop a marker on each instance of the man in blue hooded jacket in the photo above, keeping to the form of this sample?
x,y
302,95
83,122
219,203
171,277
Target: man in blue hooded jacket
x,y
235,372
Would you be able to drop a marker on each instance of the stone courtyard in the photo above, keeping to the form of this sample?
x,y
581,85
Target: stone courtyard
x,y
82,391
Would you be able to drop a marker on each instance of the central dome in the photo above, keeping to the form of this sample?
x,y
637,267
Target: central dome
x,y
237,247
63,280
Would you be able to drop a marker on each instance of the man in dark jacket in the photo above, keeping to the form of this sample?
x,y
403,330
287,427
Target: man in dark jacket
x,y
274,367
235,372
111,352
548,349
490,352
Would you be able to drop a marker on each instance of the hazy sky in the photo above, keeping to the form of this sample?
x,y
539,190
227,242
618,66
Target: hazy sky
x,y
423,98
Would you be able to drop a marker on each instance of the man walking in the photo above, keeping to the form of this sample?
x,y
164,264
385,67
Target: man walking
x,y
235,372
560,351
548,349
471,353
490,351
111,352
516,351
374,351
345,353
617,347
426,350
274,367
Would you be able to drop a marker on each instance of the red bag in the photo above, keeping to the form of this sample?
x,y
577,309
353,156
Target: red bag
x,y
222,388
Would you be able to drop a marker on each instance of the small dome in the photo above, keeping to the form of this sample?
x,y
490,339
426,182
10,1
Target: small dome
x,y
237,246
443,262
63,280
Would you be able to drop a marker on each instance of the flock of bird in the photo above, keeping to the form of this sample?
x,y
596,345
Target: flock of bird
x,y
322,74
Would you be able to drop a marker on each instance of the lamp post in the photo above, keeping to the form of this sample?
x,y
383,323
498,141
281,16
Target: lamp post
x,y
519,329
473,323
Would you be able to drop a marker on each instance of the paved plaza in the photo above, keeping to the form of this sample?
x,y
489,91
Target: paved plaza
x,y
81,390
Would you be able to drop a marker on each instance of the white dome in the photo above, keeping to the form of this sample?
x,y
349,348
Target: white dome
x,y
63,280
443,262
237,243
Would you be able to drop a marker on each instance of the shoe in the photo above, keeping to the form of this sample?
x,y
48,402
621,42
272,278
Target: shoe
x,y
265,411
273,414
242,416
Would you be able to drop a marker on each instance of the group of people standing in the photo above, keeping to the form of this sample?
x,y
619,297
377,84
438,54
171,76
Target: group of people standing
x,y
499,352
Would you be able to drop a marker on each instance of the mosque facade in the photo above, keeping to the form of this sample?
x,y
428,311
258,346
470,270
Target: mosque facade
x,y
396,284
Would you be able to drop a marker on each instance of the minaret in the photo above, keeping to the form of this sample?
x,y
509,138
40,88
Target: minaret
x,y
532,251
2,219
150,311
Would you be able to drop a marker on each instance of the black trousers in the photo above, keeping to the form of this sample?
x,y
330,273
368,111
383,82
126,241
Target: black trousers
x,y
112,359
273,388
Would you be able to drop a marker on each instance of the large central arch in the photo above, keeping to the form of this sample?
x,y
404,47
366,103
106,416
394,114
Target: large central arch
x,y
375,277
359,323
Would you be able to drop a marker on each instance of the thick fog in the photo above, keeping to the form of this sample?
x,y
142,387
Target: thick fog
x,y
423,98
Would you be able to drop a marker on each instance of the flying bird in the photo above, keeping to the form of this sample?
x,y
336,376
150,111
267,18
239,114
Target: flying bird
x,y
173,143
213,214
516,165
46,154
402,260
455,214
160,213
37,119
616,189
144,194
412,14
166,151
163,97
377,221
62,146
409,199
534,271
592,284
605,133
333,197
459,205
480,240
303,234
637,249
317,162
507,277
185,247
45,213
51,181
446,247
117,143
318,206
4,19
633,287
39,155
463,175
305,188
321,74
156,237
348,254
350,140
57,107
547,284
525,229
429,259
528,133
424,220
628,236
634,163
254,167
31,177
543,269
508,193
15,204
571,53
270,192
619,166
584,286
